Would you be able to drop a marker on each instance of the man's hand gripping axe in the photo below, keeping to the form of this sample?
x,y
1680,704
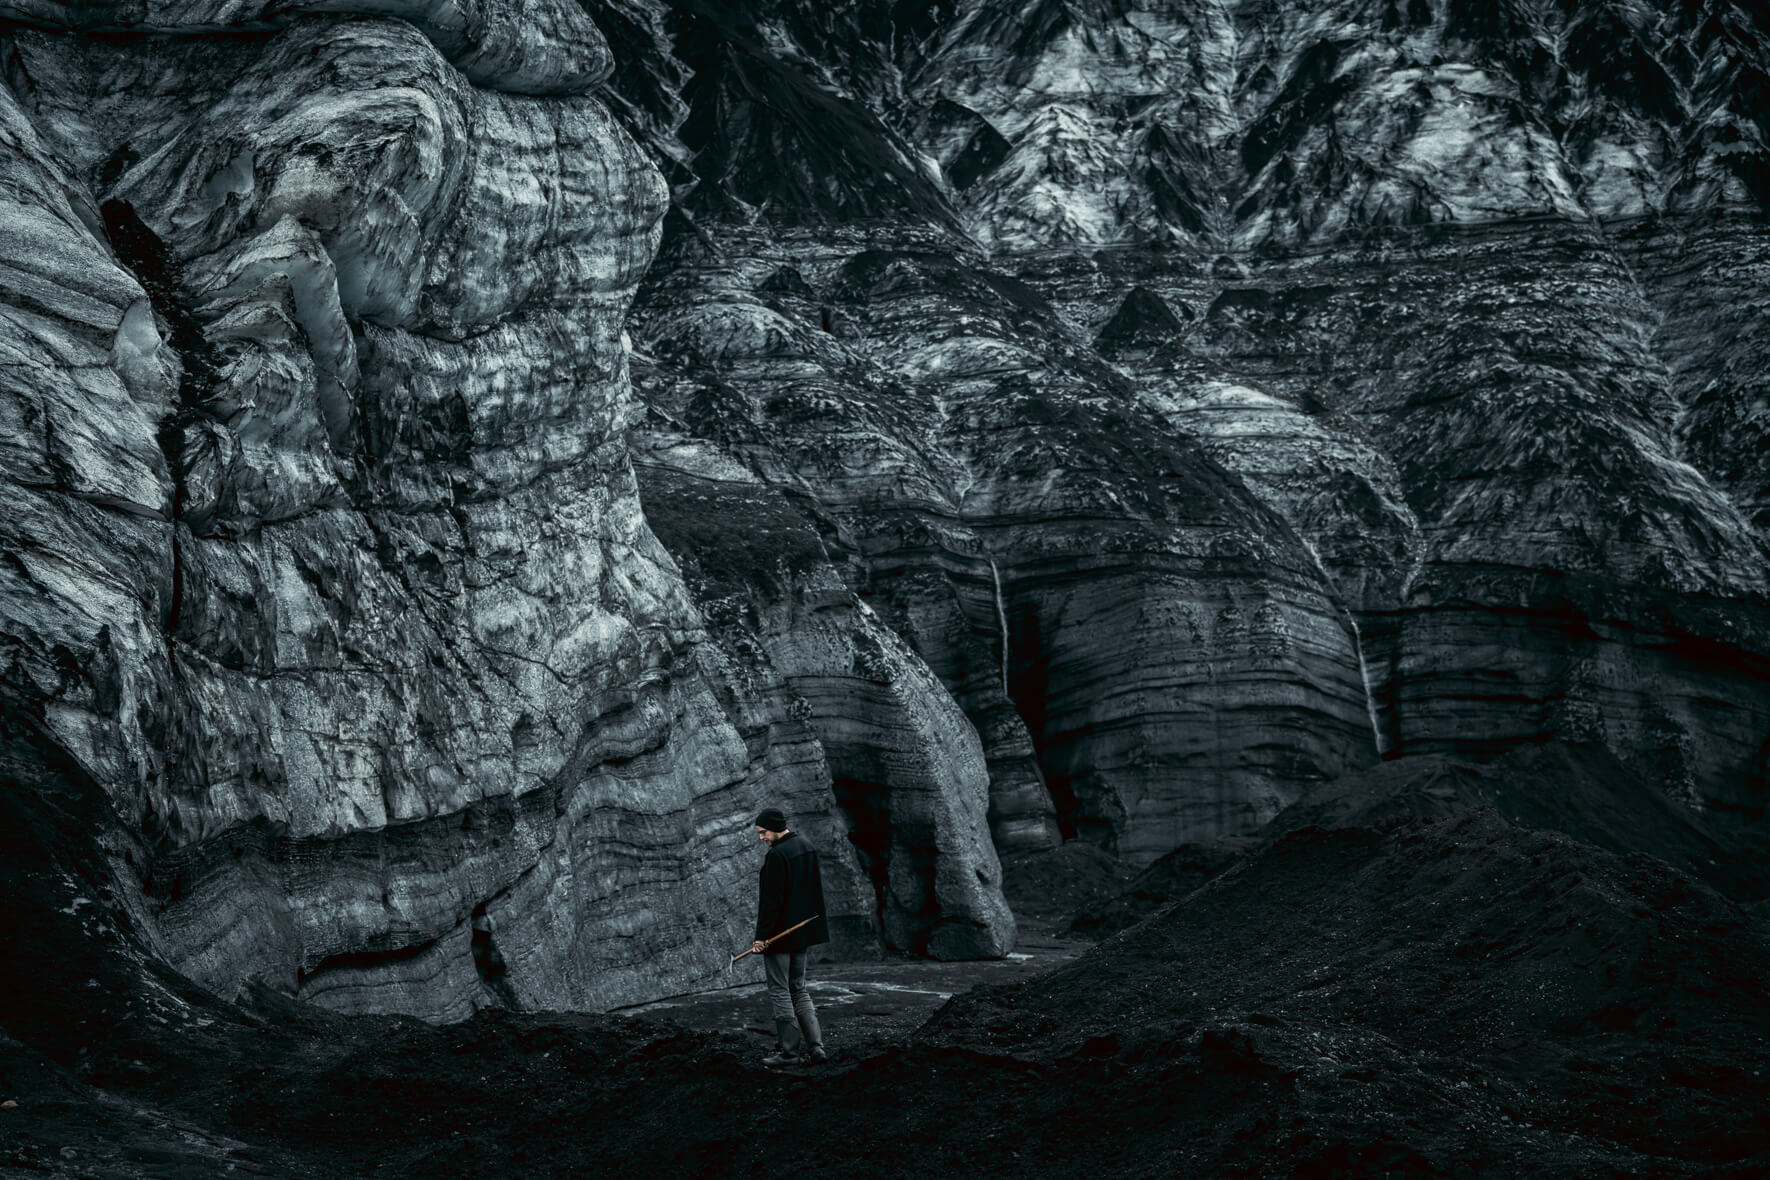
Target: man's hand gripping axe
x,y
771,941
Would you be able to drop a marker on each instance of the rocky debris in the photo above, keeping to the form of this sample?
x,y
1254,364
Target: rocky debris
x,y
1577,789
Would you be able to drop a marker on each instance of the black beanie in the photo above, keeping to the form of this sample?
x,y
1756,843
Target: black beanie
x,y
771,820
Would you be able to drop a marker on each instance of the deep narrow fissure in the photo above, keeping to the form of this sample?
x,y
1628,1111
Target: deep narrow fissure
x,y
866,810
488,961
141,251
1027,676
366,960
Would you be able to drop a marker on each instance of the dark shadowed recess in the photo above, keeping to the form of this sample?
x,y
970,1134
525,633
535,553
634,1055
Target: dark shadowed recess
x,y
764,134
866,811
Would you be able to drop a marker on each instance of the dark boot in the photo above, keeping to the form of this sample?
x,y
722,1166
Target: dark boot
x,y
786,1043
814,1036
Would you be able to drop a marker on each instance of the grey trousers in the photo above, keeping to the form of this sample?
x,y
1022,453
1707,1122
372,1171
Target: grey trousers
x,y
790,1001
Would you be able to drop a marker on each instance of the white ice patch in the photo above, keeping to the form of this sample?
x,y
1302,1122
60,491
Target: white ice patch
x,y
1618,181
959,357
1069,67
698,458
1064,182
149,372
137,335
236,177
597,641
292,249
839,993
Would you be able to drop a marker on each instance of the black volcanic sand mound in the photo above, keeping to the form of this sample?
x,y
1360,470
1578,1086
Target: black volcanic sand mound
x,y
1579,790
1469,999
1055,882
1170,878
1399,979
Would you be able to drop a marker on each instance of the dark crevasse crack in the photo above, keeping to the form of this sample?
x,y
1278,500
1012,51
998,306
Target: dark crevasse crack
x,y
141,251
364,960
488,961
1027,685
866,810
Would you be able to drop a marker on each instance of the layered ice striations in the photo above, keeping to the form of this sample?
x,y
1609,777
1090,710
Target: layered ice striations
x,y
1044,422
333,512
1394,285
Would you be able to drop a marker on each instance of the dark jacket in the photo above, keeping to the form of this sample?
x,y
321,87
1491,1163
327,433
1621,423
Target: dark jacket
x,y
792,890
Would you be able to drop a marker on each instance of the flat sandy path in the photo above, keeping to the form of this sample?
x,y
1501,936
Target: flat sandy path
x,y
867,1001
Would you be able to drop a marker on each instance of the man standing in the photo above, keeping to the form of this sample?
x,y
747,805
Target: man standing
x,y
792,891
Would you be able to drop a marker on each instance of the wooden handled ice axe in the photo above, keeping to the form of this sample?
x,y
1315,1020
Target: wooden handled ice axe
x,y
768,942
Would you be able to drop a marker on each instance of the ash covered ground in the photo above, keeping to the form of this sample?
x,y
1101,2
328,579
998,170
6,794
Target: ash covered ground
x,y
1419,971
